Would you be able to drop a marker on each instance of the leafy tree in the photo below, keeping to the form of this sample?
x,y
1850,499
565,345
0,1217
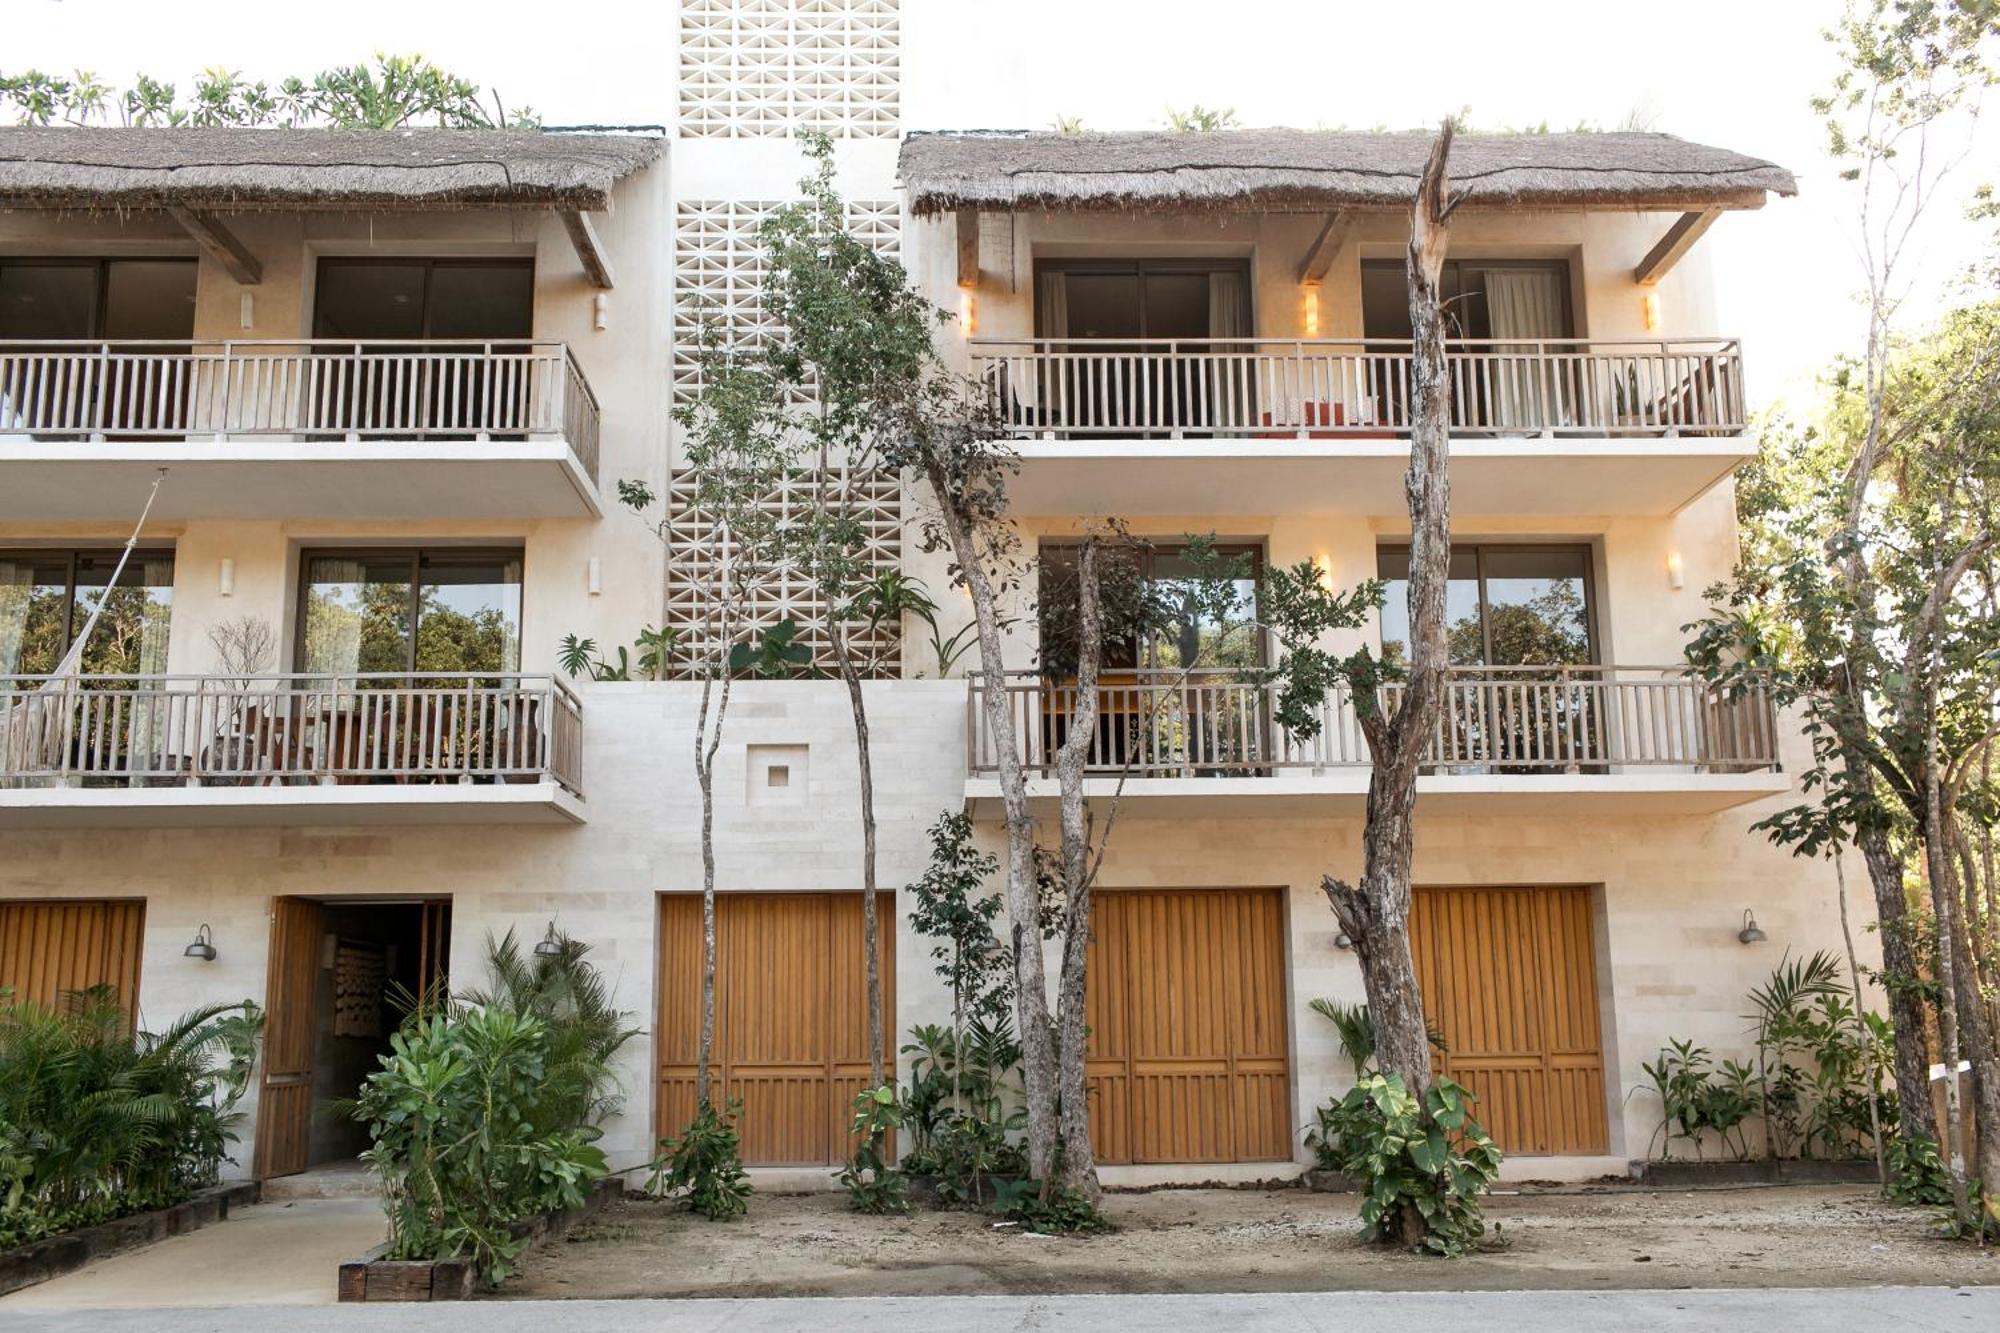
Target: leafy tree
x,y
388,94
1868,554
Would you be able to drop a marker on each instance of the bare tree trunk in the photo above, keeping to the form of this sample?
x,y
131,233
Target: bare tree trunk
x,y
871,947
1079,1164
1867,1046
1376,914
1938,871
707,738
1023,902
1975,1026
1914,1117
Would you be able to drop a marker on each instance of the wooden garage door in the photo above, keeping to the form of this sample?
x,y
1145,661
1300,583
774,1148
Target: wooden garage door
x,y
791,1017
1188,1051
47,948
1510,979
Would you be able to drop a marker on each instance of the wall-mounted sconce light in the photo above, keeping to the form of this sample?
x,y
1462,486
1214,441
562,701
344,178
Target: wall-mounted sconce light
x,y
968,312
1750,934
550,945
600,311
203,946
1310,313
1652,307
1342,941
1676,576
594,576
225,578
246,310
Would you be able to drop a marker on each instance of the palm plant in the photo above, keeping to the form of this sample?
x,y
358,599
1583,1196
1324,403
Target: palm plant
x,y
585,1029
1783,1018
97,1121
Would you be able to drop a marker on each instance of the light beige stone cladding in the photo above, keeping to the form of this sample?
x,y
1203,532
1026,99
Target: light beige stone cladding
x,y
622,362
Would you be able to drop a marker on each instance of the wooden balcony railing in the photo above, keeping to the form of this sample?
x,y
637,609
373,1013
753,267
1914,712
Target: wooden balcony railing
x,y
289,729
314,390
1511,719
1329,388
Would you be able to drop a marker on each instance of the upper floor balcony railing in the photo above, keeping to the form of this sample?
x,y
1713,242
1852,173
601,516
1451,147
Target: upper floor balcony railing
x,y
1332,388
1217,723
316,390
287,730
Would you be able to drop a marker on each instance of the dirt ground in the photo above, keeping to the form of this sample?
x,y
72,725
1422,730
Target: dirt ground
x,y
1258,1240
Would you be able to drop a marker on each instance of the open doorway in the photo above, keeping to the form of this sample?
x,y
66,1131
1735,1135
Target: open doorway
x,y
341,974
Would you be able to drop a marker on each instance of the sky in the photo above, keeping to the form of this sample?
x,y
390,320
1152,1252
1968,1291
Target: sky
x,y
1736,73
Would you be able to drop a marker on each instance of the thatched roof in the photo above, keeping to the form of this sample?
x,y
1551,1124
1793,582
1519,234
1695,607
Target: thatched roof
x,y
1018,170
119,169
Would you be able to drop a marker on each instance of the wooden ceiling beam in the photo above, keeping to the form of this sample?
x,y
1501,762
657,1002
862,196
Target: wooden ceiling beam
x,y
596,264
1325,248
968,247
220,244
1680,237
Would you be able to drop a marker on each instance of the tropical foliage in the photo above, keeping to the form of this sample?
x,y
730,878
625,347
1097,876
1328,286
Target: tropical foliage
x,y
97,1121
1421,1164
486,1110
702,1166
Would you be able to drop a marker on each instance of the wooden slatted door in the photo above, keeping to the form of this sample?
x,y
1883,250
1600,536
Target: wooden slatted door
x,y
1188,1058
50,948
791,1017
1509,977
291,1032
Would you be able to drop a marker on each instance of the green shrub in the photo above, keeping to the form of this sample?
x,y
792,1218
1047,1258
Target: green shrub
x,y
873,1186
702,1168
466,1138
1916,1173
1421,1165
1065,1212
962,1109
97,1121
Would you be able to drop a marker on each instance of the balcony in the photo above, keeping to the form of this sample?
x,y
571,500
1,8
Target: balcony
x,y
1571,426
1507,739
315,428
154,751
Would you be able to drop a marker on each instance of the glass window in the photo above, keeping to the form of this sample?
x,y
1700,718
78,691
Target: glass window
x,y
140,299
424,298
1152,616
47,598
1504,605
390,611
1484,298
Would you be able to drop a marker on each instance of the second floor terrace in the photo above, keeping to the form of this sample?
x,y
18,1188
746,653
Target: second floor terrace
x,y
104,750
1231,310
319,323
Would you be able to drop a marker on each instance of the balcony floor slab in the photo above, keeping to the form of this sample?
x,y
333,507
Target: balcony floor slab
x,y
1521,476
370,479
383,804
1343,793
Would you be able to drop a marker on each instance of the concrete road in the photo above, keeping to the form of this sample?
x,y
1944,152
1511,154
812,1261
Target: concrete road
x,y
1872,1308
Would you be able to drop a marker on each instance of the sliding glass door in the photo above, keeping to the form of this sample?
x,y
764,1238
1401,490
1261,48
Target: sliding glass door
x,y
390,611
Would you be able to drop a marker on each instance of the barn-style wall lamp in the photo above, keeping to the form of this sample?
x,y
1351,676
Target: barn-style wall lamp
x,y
203,946
550,945
1751,933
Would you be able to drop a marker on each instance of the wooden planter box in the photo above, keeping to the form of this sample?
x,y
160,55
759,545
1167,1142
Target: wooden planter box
x,y
52,1256
373,1278
1759,1172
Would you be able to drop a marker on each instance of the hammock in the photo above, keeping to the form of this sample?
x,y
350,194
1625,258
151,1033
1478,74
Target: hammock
x,y
33,725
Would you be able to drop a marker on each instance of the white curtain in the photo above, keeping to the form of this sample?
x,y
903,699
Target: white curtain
x,y
333,629
1028,387
1228,305
1523,303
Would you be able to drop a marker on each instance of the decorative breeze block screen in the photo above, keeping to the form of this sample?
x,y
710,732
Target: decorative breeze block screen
x,y
719,265
770,68
785,592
